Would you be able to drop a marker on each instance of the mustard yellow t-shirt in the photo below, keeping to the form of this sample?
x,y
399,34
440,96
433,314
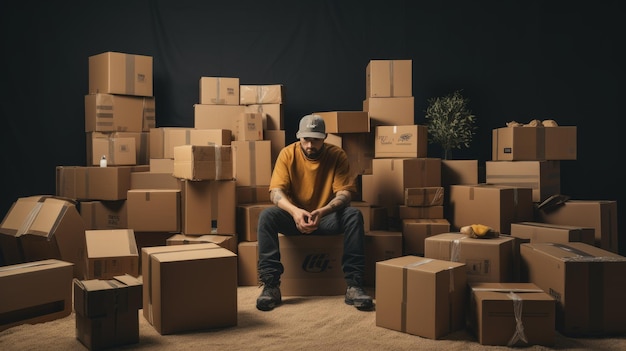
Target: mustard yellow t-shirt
x,y
311,184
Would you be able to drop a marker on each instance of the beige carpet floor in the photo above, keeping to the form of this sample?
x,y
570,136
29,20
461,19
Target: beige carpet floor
x,y
321,323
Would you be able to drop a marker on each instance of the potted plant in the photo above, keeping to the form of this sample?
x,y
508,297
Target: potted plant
x,y
450,123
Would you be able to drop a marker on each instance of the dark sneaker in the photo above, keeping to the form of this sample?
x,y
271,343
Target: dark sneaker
x,y
270,297
356,296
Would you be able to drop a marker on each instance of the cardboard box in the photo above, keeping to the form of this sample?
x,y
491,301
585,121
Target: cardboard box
x,y
104,214
601,215
493,205
261,94
535,232
35,292
163,140
219,90
393,175
460,172
248,219
273,116
486,260
252,194
119,113
543,177
111,252
155,180
94,183
107,311
421,296
228,242
277,141
511,314
43,227
252,162
518,144
154,210
312,265
401,141
587,283
176,299
423,196
389,78
380,245
208,207
560,143
390,111
346,121
216,116
120,73
415,232
98,143
194,162
161,165
247,260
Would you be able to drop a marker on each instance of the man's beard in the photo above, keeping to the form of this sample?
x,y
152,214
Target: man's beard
x,y
313,154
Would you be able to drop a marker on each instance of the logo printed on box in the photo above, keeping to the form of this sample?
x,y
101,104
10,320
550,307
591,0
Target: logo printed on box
x,y
316,263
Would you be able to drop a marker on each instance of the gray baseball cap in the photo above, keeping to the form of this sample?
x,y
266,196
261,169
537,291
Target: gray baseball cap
x,y
312,126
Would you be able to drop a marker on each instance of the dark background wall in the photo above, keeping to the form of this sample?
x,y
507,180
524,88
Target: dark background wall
x,y
514,60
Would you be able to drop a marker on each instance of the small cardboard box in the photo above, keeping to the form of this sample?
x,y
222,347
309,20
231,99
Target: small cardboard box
x,y
346,121
587,283
511,314
35,292
535,232
107,311
518,144
96,141
120,73
43,227
389,78
415,232
486,260
110,253
210,162
312,265
261,94
401,141
543,177
421,296
219,90
177,299
493,205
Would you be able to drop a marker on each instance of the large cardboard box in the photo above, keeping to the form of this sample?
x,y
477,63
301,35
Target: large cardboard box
x,y
216,116
248,126
380,245
401,141
247,260
415,232
261,94
511,314
111,252
154,210
493,205
252,162
421,296
177,299
389,78
535,232
543,177
104,214
601,215
486,260
346,121
587,283
209,162
43,227
35,292
120,73
228,242
390,111
208,207
119,113
219,90
107,311
312,265
95,183
393,175
518,144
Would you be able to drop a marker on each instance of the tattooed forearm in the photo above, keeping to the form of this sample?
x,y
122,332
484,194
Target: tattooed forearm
x,y
340,201
276,195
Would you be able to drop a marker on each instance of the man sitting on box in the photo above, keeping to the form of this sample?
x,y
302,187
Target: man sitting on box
x,y
312,188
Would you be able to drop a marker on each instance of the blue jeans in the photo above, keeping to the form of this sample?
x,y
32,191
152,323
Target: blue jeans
x,y
347,221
